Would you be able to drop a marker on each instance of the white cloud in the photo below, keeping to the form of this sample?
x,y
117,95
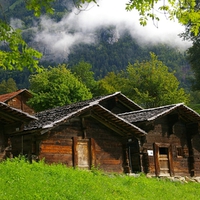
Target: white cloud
x,y
79,27
16,23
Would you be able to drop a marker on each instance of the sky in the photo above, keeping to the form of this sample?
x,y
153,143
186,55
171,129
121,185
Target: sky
x,y
79,27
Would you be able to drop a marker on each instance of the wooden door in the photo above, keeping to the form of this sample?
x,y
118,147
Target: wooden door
x,y
134,156
82,153
163,160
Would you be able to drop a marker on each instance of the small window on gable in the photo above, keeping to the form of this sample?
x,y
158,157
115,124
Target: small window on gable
x,y
179,151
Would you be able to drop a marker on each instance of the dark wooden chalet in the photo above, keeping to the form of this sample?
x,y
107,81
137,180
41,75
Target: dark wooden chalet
x,y
84,134
12,121
18,99
172,144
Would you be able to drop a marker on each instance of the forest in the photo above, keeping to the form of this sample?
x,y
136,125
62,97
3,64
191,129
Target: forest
x,y
108,54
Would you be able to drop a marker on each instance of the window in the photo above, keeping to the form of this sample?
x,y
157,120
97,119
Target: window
x,y
163,150
179,152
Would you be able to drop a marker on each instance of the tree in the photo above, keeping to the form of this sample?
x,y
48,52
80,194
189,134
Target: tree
x,y
111,83
194,60
149,83
15,53
184,10
84,74
56,87
8,86
195,100
194,51
18,55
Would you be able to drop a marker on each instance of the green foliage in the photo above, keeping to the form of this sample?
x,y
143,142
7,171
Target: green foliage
x,y
21,78
17,55
195,97
106,57
111,83
151,84
148,83
195,100
84,74
195,107
38,5
21,180
184,10
8,86
194,60
56,87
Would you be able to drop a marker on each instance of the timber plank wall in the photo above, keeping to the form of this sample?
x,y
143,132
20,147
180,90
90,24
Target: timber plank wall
x,y
19,102
105,147
177,141
196,152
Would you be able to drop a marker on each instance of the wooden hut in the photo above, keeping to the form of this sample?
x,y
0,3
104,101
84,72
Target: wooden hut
x,y
172,144
12,121
116,135
83,134
18,99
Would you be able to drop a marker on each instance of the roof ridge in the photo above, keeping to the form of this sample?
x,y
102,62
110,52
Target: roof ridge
x,y
166,111
18,110
7,96
151,109
191,110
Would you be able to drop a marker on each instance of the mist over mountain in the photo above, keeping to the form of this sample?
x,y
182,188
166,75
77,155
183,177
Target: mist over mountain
x,y
105,35
80,27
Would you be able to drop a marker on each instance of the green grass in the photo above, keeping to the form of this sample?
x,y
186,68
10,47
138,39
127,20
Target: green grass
x,y
21,180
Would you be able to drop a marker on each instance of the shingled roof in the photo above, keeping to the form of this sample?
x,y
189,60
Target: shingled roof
x,y
154,113
53,117
120,97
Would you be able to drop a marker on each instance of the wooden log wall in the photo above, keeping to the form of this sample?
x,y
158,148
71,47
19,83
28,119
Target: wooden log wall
x,y
2,138
3,142
196,152
23,145
105,146
108,146
178,144
19,102
56,146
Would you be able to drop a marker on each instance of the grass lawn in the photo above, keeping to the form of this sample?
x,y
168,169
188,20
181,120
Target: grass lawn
x,y
20,180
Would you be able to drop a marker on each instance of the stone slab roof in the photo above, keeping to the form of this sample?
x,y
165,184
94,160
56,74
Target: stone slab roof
x,y
154,113
53,117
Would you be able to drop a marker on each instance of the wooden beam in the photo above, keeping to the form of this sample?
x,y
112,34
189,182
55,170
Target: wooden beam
x,y
83,127
126,105
75,156
110,125
93,155
9,117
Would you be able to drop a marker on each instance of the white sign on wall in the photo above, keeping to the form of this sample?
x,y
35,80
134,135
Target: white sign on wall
x,y
150,152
